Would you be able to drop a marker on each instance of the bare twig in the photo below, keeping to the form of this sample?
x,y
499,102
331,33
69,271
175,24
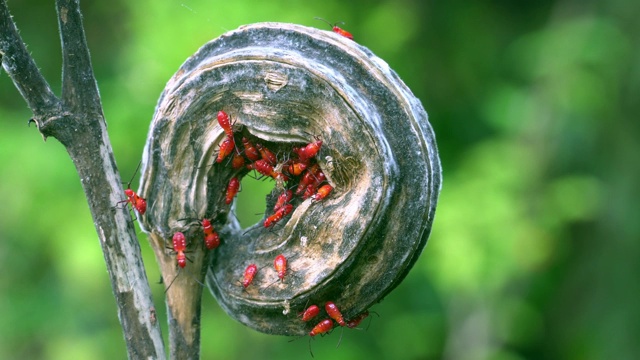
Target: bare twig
x,y
77,121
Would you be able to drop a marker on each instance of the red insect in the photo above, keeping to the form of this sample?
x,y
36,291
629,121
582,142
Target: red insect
x,y
226,148
319,178
334,313
180,246
206,226
296,168
212,241
225,124
134,199
232,189
267,155
309,191
249,274
237,162
322,327
322,193
337,30
264,168
278,215
280,264
357,320
211,238
283,199
311,312
250,151
308,178
309,151
342,32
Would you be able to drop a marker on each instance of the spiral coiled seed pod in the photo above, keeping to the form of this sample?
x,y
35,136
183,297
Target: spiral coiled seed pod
x,y
284,86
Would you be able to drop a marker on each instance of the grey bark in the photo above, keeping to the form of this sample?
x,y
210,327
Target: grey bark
x,y
77,121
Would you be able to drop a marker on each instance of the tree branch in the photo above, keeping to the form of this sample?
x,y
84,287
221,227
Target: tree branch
x,y
78,123
79,86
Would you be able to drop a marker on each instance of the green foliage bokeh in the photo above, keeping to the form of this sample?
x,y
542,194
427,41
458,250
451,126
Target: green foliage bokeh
x,y
534,248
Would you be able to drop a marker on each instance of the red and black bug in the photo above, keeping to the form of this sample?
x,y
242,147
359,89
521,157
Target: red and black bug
x,y
353,323
311,189
267,155
250,150
278,215
322,193
309,151
318,178
226,148
237,162
211,238
264,168
333,311
308,191
225,124
357,320
295,168
311,312
137,202
232,189
322,327
280,264
180,246
249,273
180,249
308,178
336,29
283,199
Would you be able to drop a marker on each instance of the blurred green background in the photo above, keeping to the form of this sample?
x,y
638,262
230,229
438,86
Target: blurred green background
x,y
534,251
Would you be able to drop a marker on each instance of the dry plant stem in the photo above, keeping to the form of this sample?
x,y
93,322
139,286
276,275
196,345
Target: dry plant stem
x,y
184,293
77,121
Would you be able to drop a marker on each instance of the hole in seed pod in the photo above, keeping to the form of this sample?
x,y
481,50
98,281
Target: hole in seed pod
x,y
251,200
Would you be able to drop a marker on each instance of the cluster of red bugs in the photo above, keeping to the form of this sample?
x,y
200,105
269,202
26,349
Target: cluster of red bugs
x,y
326,325
279,264
296,167
295,171
299,168
334,313
298,177
211,241
138,203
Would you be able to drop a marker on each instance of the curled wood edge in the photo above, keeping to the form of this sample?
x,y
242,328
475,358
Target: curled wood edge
x,y
77,121
434,183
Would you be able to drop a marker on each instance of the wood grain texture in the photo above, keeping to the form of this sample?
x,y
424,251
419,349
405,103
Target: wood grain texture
x,y
285,84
